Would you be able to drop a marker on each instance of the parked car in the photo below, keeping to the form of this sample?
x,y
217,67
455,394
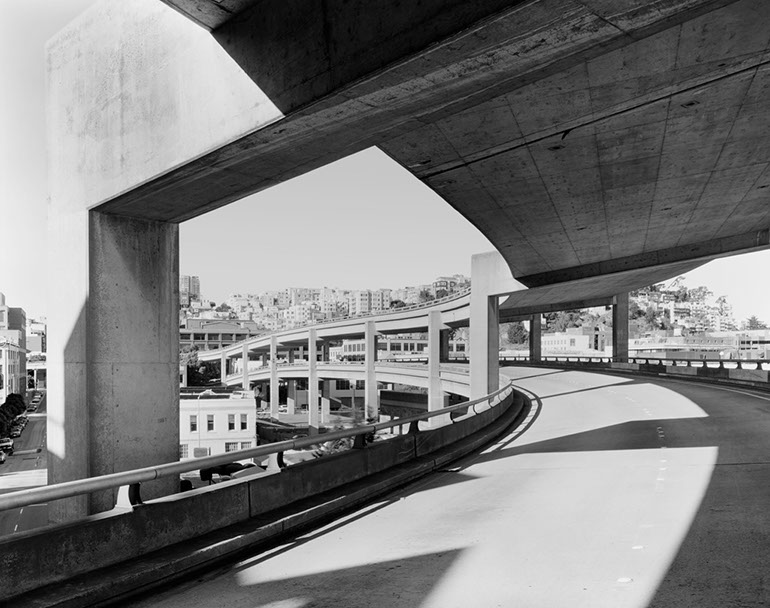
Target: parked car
x,y
6,445
15,431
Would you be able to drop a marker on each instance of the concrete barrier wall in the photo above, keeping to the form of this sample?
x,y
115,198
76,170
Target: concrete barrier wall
x,y
52,554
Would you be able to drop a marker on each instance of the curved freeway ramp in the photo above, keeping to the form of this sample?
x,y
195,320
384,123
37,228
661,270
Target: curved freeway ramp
x,y
617,492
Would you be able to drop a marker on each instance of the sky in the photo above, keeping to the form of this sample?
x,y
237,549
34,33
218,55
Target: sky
x,y
362,222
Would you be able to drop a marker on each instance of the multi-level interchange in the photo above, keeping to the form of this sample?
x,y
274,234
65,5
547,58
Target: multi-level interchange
x,y
601,146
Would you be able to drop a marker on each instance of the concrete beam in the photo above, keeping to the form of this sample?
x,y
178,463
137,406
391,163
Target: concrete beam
x,y
703,252
315,82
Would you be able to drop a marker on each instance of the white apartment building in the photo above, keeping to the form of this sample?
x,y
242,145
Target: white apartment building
x,y
216,426
13,375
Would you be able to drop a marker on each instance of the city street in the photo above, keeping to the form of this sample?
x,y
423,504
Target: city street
x,y
26,468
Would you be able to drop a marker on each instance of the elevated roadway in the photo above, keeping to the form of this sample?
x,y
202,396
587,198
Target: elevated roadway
x,y
618,493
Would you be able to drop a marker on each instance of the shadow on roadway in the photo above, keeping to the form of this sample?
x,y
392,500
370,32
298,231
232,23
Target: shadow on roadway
x,y
723,560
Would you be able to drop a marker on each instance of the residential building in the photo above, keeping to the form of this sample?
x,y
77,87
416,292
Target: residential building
x,y
209,425
13,333
208,334
189,289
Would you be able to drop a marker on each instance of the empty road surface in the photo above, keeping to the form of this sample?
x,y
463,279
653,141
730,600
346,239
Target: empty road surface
x,y
615,493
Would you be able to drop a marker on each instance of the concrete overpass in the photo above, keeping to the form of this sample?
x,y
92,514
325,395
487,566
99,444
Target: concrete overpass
x,y
599,145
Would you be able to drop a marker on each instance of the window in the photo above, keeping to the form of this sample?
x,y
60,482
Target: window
x,y
244,422
200,337
231,446
231,422
343,385
193,423
209,422
183,451
460,348
245,445
572,341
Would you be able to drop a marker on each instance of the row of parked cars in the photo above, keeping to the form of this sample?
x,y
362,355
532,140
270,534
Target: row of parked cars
x,y
19,423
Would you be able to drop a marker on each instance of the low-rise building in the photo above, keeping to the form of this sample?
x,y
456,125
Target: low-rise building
x,y
211,425
209,334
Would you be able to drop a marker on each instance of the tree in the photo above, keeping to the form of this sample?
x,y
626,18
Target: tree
x,y
425,296
397,304
189,356
754,323
516,333
559,321
223,307
441,293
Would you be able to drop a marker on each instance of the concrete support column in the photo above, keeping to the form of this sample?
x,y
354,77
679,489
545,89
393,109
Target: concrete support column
x,y
290,356
274,403
444,345
113,350
490,277
371,397
223,368
325,352
185,379
263,359
484,347
312,383
535,338
620,328
245,378
436,399
325,400
291,395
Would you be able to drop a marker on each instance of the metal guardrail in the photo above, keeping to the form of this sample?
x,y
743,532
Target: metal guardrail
x,y
70,489
756,364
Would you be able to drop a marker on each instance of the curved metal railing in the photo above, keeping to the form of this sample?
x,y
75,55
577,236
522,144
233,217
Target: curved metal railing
x,y
749,364
70,489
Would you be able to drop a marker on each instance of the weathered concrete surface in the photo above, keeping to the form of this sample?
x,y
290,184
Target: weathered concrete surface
x,y
622,494
582,138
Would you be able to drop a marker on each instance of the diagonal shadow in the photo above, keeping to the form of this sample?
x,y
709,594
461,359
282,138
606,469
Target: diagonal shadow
x,y
388,584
